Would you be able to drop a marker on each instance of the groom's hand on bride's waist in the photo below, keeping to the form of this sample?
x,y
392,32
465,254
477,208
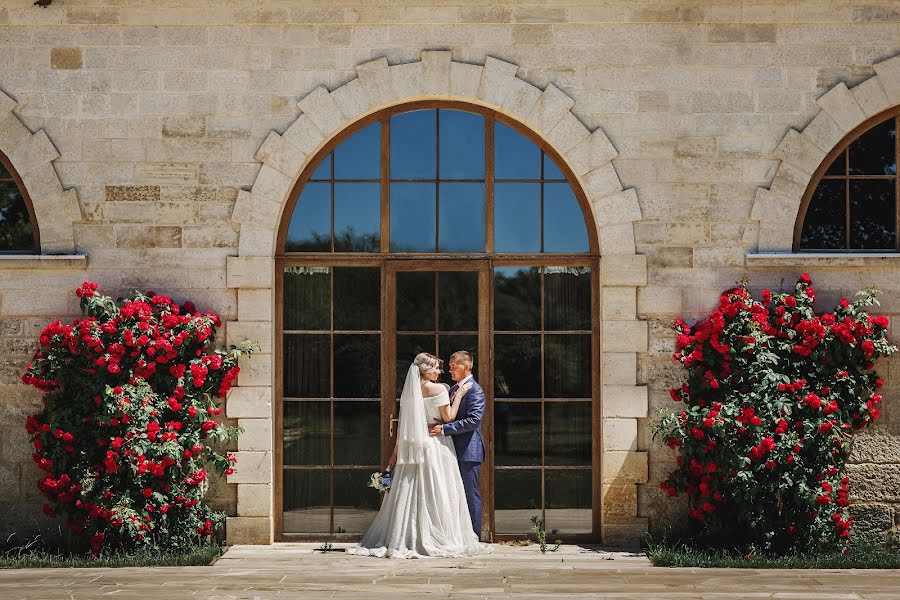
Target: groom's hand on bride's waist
x,y
436,428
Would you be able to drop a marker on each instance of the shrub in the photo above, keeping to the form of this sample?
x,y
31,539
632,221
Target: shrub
x,y
773,394
128,418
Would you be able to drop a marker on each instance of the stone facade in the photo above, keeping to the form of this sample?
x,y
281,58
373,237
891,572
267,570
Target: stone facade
x,y
159,142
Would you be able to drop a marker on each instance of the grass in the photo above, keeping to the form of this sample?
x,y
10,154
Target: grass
x,y
29,558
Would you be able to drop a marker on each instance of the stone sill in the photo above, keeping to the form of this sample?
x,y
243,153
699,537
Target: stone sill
x,y
890,260
58,262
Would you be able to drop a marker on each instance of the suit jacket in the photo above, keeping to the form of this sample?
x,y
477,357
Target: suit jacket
x,y
466,429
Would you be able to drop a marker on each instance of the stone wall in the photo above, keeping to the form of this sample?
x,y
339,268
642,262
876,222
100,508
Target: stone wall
x,y
156,112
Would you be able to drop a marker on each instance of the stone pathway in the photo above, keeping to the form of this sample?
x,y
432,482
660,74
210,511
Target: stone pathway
x,y
298,571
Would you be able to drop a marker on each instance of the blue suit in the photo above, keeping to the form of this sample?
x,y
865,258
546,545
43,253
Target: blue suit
x,y
466,432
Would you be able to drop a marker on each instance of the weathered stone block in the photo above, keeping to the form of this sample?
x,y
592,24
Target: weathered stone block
x,y
619,501
254,500
619,434
624,467
254,402
256,370
624,336
257,434
618,368
623,270
619,303
65,58
138,193
624,401
248,530
259,332
249,272
252,467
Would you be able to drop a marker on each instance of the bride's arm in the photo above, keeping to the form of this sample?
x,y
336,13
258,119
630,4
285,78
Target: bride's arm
x,y
392,462
449,411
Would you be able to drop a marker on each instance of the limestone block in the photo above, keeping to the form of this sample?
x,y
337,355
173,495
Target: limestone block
x,y
34,153
799,151
626,536
620,207
11,488
623,467
12,132
521,98
280,155
875,446
496,81
591,152
254,305
719,256
252,467
254,500
436,72
256,240
623,270
256,369
617,239
7,104
254,402
619,434
304,135
65,58
464,79
406,80
601,182
248,272
790,181
619,303
322,110
375,78
618,368
889,76
259,332
823,131
655,301
271,186
624,336
568,133
352,99
871,521
619,500
625,401
875,482
248,530
257,435
842,106
871,97
550,107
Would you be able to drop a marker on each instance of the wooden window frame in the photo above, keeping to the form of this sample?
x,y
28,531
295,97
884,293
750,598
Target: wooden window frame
x,y
29,206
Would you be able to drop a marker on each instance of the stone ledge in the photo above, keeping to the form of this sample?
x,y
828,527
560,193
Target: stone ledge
x,y
67,262
822,259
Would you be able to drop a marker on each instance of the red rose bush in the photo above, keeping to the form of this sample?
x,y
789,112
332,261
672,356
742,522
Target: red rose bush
x,y
124,437
773,394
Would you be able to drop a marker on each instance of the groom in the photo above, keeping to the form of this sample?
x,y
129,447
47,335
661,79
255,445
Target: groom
x,y
466,432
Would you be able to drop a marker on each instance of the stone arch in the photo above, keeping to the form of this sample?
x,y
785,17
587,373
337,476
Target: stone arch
x,y
549,114
32,155
842,110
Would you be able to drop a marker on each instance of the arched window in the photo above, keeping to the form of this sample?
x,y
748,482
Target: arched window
x,y
851,202
17,234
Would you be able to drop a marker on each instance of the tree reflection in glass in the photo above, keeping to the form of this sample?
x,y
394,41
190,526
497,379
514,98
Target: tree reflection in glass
x,y
873,214
825,225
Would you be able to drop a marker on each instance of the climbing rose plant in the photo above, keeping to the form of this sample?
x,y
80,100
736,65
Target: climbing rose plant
x,y
763,432
128,417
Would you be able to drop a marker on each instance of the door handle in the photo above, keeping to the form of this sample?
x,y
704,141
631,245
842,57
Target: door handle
x,y
391,424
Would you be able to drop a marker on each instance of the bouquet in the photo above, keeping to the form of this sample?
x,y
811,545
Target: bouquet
x,y
380,481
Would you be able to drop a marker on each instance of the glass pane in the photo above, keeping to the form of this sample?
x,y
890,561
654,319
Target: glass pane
x,y
323,171
306,366
448,344
415,301
407,348
357,431
306,433
567,433
517,498
306,297
357,217
355,504
15,226
564,228
458,304
517,217
461,145
551,171
517,299
839,166
567,298
517,366
413,145
359,156
825,222
357,364
307,501
461,217
4,174
310,228
568,497
515,156
517,433
356,298
874,152
567,366
413,217
873,214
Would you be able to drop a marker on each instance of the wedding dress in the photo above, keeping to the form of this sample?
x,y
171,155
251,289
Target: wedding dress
x,y
425,513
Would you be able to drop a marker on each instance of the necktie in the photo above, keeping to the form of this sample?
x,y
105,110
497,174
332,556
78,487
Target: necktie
x,y
453,391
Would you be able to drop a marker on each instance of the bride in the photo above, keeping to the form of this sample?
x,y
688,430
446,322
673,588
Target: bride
x,y
425,512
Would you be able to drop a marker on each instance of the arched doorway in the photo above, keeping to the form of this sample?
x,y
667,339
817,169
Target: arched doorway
x,y
437,226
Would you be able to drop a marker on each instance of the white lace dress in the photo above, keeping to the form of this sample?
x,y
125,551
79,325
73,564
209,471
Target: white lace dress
x,y
425,512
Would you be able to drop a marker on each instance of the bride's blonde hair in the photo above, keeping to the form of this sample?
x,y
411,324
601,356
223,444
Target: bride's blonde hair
x,y
427,363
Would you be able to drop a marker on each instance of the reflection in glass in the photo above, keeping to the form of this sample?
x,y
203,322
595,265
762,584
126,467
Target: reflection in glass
x,y
356,294
413,217
307,501
359,156
551,171
306,366
408,345
873,214
567,366
567,298
567,433
461,217
874,152
310,227
568,498
15,225
461,145
838,167
415,301
517,299
357,433
517,433
517,366
517,217
354,510
306,297
825,222
357,222
323,171
515,156
448,344
357,363
458,301
517,498
306,433
564,226
413,145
